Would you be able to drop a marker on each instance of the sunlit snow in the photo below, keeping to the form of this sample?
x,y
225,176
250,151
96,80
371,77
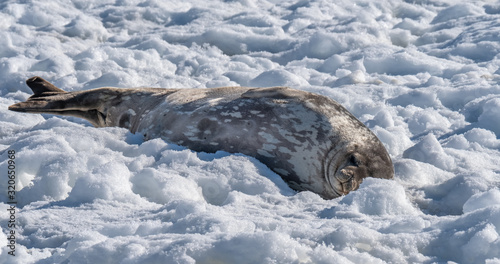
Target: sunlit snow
x,y
422,75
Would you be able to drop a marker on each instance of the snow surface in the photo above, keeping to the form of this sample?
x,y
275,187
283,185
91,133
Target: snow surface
x,y
423,75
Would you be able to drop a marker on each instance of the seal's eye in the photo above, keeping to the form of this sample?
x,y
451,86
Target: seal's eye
x,y
354,161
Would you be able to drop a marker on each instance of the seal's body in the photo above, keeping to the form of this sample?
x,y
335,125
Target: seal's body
x,y
310,140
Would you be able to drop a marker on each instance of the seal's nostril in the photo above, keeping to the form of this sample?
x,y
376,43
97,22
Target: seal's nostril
x,y
345,175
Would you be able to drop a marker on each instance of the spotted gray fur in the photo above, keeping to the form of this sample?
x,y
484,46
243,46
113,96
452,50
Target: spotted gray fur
x,y
310,140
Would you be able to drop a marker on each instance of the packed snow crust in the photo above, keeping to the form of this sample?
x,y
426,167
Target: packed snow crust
x,y
422,75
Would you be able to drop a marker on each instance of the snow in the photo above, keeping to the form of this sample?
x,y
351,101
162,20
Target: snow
x,y
423,75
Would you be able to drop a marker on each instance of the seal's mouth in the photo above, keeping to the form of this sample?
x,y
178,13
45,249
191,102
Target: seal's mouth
x,y
345,171
345,180
348,176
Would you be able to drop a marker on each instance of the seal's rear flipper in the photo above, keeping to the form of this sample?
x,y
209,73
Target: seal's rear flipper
x,y
44,97
41,87
48,99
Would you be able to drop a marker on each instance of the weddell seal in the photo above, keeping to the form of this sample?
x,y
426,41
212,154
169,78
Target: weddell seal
x,y
311,141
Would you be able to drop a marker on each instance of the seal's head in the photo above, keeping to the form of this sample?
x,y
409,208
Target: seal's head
x,y
357,163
